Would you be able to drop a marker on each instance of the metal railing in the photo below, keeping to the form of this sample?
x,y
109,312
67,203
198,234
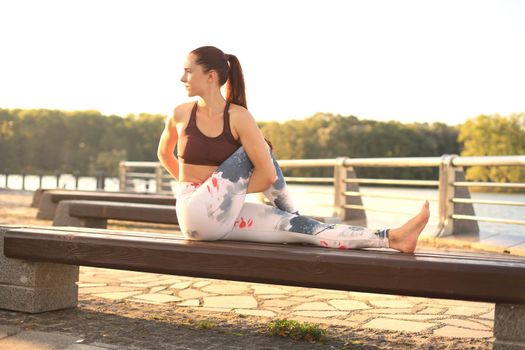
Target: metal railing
x,y
456,211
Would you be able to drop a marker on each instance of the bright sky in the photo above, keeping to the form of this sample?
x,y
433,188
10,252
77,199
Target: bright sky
x,y
422,60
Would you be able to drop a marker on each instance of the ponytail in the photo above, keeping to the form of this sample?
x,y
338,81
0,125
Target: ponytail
x,y
236,90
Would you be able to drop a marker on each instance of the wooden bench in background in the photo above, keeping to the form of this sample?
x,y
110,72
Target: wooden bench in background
x,y
45,286
49,199
95,214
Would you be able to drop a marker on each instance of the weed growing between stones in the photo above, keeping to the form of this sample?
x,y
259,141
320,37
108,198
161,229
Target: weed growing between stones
x,y
296,330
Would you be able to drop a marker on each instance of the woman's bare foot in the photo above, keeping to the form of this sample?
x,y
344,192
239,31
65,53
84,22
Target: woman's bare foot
x,y
404,238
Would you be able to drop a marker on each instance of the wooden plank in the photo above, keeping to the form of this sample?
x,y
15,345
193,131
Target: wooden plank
x,y
57,196
434,276
124,211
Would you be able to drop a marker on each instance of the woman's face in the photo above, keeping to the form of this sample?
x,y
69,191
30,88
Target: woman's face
x,y
194,78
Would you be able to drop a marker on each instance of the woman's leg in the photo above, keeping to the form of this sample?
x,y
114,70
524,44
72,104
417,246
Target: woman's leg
x,y
262,223
208,211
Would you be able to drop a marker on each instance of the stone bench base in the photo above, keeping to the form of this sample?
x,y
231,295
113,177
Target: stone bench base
x,y
36,287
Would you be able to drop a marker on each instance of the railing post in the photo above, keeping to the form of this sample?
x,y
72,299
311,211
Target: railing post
x,y
446,192
448,174
158,178
122,176
341,173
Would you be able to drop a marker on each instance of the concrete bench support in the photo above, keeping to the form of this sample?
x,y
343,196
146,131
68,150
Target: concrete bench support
x,y
509,327
36,287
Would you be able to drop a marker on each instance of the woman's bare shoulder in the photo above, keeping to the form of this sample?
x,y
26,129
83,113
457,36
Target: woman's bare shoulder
x,y
239,114
182,111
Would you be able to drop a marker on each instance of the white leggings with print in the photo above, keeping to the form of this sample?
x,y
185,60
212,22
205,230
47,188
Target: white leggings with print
x,y
216,210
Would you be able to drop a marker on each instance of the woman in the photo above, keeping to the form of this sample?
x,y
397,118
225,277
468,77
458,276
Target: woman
x,y
222,156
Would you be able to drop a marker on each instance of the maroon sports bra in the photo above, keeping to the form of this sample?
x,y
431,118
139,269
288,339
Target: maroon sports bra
x,y
196,148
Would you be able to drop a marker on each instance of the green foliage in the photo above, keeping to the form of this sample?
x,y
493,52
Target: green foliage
x,y
296,330
491,135
46,141
330,136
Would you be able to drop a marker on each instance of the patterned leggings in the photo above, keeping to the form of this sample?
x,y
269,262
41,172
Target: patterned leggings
x,y
216,210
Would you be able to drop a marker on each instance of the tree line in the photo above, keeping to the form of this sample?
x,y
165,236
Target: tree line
x,y
47,141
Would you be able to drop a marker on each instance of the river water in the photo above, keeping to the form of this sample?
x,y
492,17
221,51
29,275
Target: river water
x,y
317,200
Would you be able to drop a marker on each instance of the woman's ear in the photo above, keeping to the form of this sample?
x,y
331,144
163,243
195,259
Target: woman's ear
x,y
212,74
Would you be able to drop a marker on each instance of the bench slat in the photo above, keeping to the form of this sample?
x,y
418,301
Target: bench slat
x,y
431,275
124,211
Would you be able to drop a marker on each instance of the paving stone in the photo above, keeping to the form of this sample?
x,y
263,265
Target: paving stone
x,y
85,347
145,301
398,325
192,294
234,302
141,285
388,311
399,304
158,298
465,324
95,279
201,284
343,304
189,302
327,296
416,317
87,285
307,293
180,285
226,289
272,296
320,313
31,340
157,289
432,310
488,323
416,300
457,332
263,313
109,289
465,311
359,318
461,303
328,321
140,278
268,290
213,309
489,315
118,295
279,303
371,296
299,299
318,306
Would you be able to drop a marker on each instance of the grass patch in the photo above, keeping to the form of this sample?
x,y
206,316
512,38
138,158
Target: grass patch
x,y
205,324
296,330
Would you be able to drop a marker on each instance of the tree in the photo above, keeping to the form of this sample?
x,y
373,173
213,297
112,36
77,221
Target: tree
x,y
491,135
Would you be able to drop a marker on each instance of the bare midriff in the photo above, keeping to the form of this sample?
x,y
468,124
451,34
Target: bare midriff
x,y
195,173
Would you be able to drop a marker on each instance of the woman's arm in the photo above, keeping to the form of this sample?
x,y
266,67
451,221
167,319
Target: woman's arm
x,y
251,138
167,143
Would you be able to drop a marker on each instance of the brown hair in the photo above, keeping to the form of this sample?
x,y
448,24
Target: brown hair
x,y
212,58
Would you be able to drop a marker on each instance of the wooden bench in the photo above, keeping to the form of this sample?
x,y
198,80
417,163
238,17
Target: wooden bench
x,y
95,214
499,280
49,199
